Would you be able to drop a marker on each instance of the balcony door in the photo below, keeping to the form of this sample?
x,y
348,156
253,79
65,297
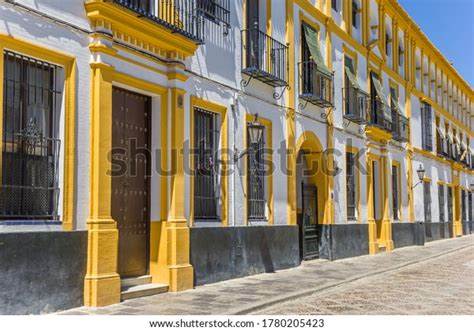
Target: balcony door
x,y
253,28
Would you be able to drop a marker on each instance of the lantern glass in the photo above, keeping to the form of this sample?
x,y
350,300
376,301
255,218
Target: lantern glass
x,y
421,173
255,131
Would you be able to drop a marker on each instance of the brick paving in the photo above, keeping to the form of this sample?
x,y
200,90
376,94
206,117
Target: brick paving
x,y
434,279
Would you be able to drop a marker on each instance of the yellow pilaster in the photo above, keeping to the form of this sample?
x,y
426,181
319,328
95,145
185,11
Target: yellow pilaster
x,y
290,117
102,282
180,269
386,224
373,244
457,225
330,138
409,157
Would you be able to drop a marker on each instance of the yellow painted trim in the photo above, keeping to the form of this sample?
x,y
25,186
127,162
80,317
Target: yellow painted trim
x,y
267,123
290,115
68,63
355,151
144,32
221,110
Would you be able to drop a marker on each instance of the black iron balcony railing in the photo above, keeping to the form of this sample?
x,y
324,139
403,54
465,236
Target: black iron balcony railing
x,y
400,127
316,86
377,116
180,16
215,10
264,58
356,105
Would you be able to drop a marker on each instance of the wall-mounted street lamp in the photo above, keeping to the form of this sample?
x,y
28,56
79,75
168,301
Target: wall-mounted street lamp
x,y
255,132
472,186
421,175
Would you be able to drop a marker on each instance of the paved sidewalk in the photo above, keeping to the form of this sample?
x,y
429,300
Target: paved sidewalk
x,y
254,293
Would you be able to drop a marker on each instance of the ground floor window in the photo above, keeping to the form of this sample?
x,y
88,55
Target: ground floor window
x,y
31,145
441,203
206,143
351,187
427,201
463,206
396,192
450,204
256,176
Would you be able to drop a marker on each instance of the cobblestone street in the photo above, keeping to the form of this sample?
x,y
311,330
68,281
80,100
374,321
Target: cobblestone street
x,y
434,279
440,286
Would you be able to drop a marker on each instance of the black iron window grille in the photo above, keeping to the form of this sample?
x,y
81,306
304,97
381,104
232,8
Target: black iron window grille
x,y
395,193
355,12
31,145
427,201
180,16
256,176
400,125
206,186
441,204
426,127
450,204
380,111
264,58
463,206
215,10
351,187
355,99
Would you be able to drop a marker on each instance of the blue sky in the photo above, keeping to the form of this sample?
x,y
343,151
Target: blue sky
x,y
449,24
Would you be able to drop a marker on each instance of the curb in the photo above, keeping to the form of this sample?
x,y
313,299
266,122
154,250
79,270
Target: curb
x,y
305,293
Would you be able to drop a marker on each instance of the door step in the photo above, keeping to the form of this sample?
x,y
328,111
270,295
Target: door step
x,y
144,290
135,281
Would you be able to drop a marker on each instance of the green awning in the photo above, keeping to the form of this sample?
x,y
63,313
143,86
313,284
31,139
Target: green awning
x,y
311,37
379,90
351,77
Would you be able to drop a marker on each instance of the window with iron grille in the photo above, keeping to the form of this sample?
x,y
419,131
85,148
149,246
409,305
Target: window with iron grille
x,y
334,4
469,205
427,201
426,127
206,191
441,203
395,192
351,187
463,206
215,10
450,204
355,11
31,145
256,176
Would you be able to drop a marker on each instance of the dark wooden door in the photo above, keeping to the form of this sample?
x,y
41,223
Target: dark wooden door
x,y
309,223
130,190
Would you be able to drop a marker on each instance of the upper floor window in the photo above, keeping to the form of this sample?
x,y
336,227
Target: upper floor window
x,y
426,127
334,4
30,148
215,10
355,12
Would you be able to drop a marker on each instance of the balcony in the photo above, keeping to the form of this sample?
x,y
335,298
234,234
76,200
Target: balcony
x,y
184,17
380,115
356,103
400,127
316,86
264,58
216,10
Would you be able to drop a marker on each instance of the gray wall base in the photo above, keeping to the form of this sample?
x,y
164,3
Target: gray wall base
x,y
341,241
224,253
42,272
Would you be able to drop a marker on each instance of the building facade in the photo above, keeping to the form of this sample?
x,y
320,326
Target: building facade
x,y
169,144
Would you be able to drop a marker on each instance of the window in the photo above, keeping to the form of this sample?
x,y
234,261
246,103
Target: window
x,y
31,145
463,206
206,140
441,203
469,205
351,187
317,81
450,204
426,127
388,41
427,208
256,176
396,192
215,10
355,11
334,4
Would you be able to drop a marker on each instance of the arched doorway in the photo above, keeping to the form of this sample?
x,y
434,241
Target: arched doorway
x,y
311,188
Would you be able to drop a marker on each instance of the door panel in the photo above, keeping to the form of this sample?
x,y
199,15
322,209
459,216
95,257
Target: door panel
x,y
309,222
130,205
